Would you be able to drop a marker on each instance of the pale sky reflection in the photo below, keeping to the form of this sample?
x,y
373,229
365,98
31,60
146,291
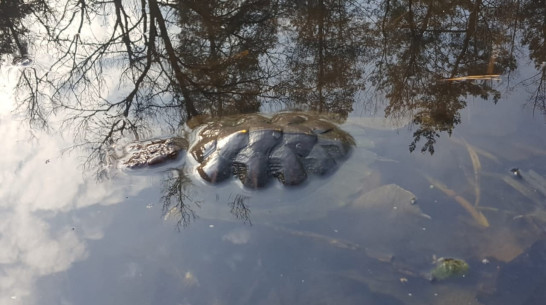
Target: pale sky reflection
x,y
38,184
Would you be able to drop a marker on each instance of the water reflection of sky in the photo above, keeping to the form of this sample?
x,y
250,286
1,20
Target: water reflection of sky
x,y
66,238
41,186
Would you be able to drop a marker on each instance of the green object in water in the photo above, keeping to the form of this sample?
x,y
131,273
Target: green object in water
x,y
448,268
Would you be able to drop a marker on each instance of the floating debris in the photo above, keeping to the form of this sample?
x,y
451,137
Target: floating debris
x,y
515,171
474,77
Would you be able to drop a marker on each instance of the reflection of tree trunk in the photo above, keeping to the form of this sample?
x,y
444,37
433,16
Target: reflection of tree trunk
x,y
183,81
385,32
411,56
15,34
540,95
469,33
416,38
321,45
214,59
22,48
515,28
149,54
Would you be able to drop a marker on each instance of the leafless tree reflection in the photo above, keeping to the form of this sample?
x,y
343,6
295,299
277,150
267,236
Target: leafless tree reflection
x,y
124,69
149,62
123,77
119,67
239,208
533,17
539,95
177,200
14,40
179,204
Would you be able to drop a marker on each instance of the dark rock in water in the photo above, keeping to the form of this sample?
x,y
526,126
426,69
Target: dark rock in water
x,y
522,281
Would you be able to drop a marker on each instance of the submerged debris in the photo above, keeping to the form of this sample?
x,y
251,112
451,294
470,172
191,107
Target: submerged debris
x,y
449,268
477,215
477,166
392,199
474,153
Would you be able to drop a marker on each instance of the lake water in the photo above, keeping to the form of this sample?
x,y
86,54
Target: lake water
x,y
445,103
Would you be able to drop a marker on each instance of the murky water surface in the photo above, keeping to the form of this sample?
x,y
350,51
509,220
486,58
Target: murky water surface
x,y
441,201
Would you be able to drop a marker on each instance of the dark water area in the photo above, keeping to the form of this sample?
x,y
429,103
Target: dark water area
x,y
441,198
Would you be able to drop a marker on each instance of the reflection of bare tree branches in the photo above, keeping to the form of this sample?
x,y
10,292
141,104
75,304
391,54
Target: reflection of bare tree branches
x,y
177,201
14,40
29,100
179,205
533,18
539,96
136,69
112,82
155,61
239,208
